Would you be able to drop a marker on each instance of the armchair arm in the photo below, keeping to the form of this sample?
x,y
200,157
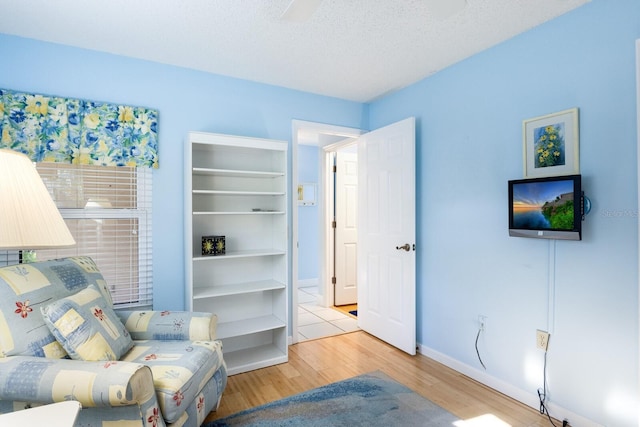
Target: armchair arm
x,y
169,325
93,384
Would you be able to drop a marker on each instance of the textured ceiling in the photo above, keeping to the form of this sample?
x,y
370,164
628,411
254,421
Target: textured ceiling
x,y
350,49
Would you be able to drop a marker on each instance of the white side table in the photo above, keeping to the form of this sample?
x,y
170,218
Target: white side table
x,y
61,414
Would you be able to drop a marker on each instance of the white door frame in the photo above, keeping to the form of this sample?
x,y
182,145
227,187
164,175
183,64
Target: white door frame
x,y
301,131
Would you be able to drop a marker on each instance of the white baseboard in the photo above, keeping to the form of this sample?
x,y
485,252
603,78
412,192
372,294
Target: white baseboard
x,y
528,398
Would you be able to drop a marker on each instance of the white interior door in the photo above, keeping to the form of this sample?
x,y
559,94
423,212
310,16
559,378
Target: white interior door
x,y
346,237
386,234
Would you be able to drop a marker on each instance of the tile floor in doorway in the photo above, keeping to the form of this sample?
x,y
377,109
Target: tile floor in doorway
x,y
315,321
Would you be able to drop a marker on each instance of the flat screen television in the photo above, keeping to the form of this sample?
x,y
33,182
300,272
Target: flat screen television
x,y
546,208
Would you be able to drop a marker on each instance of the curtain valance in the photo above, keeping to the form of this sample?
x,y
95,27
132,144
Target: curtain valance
x,y
55,129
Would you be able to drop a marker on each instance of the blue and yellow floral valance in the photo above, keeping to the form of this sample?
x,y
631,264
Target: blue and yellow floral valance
x,y
54,129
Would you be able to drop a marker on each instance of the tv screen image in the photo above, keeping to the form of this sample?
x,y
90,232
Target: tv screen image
x,y
546,207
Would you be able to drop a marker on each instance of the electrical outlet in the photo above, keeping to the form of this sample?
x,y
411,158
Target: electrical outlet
x,y
542,339
482,322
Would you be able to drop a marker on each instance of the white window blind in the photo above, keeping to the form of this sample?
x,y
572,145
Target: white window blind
x,y
9,258
108,211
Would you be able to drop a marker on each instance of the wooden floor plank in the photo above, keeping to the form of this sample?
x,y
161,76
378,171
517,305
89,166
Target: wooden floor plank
x,y
319,362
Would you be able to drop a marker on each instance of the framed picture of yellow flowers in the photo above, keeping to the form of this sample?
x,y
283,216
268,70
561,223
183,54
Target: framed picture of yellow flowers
x,y
551,144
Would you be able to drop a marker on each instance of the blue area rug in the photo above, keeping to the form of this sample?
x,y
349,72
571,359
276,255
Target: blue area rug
x,y
369,400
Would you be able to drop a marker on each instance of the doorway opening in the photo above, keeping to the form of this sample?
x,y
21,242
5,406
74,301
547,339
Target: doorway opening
x,y
314,148
386,234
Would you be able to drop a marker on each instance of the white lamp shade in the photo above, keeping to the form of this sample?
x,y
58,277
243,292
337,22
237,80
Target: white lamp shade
x,y
29,219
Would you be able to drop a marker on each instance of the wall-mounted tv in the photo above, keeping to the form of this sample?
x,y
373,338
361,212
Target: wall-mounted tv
x,y
546,208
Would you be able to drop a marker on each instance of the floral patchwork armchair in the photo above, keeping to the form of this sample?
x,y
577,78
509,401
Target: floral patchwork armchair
x,y
60,339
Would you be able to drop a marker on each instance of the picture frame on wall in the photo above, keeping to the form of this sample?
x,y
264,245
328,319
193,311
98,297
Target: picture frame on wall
x,y
551,144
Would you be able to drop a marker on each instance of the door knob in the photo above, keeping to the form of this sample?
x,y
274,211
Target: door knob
x,y
405,247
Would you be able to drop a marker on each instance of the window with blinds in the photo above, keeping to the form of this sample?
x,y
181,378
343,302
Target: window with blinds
x,y
9,258
108,211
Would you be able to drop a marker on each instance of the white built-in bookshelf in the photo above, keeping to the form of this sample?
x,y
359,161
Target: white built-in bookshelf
x,y
237,187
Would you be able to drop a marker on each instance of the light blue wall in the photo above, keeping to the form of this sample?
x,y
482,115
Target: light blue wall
x,y
469,144
187,100
308,233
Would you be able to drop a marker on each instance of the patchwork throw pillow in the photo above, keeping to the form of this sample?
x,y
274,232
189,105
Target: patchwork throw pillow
x,y
87,327
25,288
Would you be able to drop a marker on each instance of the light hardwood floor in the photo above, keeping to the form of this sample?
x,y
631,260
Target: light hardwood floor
x,y
326,360
346,308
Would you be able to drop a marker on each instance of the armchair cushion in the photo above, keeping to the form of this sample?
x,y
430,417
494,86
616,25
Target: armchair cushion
x,y
87,327
169,325
108,384
180,370
24,288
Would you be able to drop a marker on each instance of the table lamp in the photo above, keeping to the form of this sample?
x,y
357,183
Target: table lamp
x,y
29,219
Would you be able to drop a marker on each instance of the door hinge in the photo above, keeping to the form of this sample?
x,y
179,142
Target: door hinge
x,y
333,280
333,224
335,168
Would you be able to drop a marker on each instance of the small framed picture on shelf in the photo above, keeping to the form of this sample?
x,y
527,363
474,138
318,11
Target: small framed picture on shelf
x,y
551,144
213,245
